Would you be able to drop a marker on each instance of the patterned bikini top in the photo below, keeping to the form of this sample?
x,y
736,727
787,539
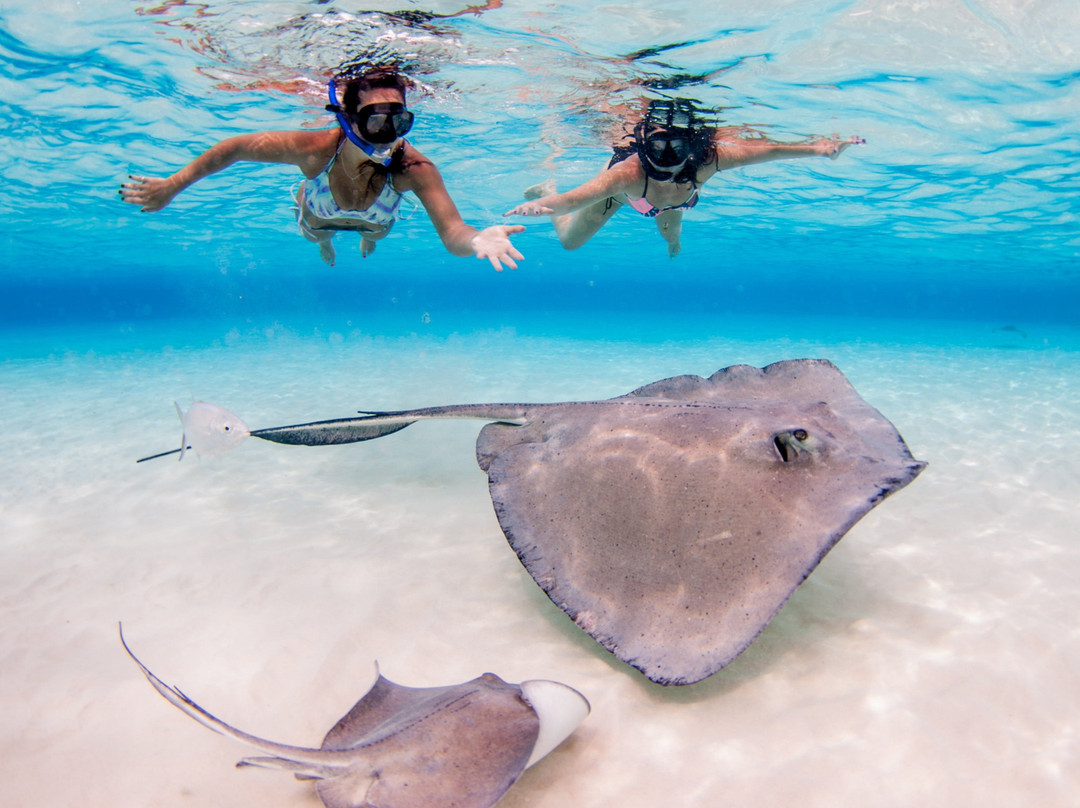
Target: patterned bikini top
x,y
319,199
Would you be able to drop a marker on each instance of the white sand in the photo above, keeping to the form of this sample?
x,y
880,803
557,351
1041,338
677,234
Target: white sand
x,y
933,658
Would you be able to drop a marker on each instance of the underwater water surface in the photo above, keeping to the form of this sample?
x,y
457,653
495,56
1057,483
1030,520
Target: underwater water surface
x,y
932,658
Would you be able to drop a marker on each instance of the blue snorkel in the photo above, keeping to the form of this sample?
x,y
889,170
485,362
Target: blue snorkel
x,y
383,155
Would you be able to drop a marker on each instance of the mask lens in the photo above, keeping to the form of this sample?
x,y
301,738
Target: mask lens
x,y
382,123
665,151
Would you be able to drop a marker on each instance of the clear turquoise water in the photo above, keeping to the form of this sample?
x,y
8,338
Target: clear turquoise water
x,y
931,659
962,206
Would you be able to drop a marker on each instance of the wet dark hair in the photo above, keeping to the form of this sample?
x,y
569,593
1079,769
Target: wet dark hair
x,y
378,78
673,116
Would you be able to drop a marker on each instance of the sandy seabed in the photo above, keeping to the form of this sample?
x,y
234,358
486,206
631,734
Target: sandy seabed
x,y
932,659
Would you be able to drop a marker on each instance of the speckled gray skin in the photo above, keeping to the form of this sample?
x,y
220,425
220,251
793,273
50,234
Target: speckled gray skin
x,y
672,523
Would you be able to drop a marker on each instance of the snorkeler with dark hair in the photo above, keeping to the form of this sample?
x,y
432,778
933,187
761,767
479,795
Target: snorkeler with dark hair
x,y
355,173
659,171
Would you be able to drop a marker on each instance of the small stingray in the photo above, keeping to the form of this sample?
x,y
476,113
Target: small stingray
x,y
211,430
673,522
404,747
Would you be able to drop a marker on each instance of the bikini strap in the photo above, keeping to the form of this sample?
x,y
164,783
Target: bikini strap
x,y
333,157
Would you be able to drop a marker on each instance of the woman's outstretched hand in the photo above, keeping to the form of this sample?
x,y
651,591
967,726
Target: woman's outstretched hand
x,y
493,243
150,193
832,146
532,208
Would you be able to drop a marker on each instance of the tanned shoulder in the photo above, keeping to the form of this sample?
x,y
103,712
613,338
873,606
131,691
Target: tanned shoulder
x,y
412,168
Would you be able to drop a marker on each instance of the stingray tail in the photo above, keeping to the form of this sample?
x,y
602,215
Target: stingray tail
x,y
316,759
376,424
302,771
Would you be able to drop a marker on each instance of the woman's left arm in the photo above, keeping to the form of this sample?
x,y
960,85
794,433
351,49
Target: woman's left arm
x,y
493,243
741,151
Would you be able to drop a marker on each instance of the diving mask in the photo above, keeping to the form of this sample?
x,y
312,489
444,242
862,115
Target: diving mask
x,y
374,128
665,137
667,149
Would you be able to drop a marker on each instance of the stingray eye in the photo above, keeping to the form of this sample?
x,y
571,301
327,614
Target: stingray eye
x,y
227,427
790,444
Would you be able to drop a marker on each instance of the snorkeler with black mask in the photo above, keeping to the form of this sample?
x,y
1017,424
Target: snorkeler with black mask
x,y
659,172
355,174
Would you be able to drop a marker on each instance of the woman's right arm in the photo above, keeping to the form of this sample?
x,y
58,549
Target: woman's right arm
x,y
622,176
300,148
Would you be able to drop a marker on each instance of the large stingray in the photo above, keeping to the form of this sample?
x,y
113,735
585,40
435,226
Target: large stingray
x,y
672,523
404,747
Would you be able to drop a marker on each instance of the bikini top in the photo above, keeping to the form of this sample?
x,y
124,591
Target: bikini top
x,y
319,199
641,204
647,208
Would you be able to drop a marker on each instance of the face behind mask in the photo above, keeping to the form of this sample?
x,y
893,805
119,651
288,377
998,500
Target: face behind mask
x,y
374,128
665,138
667,150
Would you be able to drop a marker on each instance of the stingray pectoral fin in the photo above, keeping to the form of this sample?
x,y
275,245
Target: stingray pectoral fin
x,y
340,430
560,709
